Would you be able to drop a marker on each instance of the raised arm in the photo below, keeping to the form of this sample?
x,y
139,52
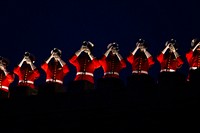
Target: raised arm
x,y
198,44
119,56
167,46
135,50
50,57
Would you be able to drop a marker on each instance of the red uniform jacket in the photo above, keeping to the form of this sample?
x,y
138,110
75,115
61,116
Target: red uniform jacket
x,y
193,59
86,66
140,63
26,77
112,66
169,62
54,73
5,81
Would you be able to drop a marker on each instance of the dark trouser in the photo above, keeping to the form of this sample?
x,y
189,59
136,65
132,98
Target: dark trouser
x,y
110,90
140,81
109,85
171,80
194,76
3,94
80,86
51,88
194,82
140,87
21,91
171,86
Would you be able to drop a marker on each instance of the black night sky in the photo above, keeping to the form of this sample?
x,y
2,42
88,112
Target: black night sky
x,y
39,26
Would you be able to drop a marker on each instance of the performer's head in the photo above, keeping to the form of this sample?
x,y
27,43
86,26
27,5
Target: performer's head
x,y
89,46
194,42
115,47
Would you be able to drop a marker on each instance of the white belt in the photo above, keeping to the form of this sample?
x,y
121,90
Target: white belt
x,y
84,73
145,72
193,68
4,87
116,73
167,70
51,80
26,81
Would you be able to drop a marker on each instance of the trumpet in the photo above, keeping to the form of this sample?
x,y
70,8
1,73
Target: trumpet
x,y
27,54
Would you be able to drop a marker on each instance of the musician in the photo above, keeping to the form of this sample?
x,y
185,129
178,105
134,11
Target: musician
x,y
85,64
55,69
170,61
112,63
193,59
27,74
141,61
6,78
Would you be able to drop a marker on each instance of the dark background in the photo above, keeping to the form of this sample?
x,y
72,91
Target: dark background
x,y
40,25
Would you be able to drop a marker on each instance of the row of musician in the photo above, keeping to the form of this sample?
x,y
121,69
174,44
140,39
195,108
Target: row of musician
x,y
84,61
